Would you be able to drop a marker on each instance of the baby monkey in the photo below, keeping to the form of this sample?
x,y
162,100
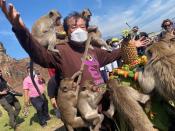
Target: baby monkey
x,y
88,100
67,103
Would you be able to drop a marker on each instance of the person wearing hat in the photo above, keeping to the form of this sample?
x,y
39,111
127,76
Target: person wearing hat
x,y
9,102
40,103
115,44
135,32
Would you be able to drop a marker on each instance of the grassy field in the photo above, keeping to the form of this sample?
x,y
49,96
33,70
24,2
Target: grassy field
x,y
30,123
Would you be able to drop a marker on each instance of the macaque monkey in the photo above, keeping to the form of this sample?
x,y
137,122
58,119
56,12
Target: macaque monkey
x,y
159,72
48,30
67,103
94,32
126,102
88,100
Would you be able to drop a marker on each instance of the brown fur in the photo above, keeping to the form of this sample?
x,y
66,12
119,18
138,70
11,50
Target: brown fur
x,y
97,41
125,100
88,100
94,32
160,69
47,30
67,103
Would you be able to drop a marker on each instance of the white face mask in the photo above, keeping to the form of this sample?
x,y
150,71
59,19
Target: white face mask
x,y
79,35
115,45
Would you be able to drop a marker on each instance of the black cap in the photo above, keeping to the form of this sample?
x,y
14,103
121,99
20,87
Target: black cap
x,y
135,27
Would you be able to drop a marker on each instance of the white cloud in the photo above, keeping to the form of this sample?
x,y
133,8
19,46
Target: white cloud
x,y
148,15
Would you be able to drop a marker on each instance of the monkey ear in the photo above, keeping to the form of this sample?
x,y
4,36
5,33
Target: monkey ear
x,y
51,14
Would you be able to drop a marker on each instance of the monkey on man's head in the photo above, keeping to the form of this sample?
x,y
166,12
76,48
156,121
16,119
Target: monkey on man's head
x,y
94,32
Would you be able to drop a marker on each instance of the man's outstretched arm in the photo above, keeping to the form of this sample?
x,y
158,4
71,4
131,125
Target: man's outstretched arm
x,y
38,53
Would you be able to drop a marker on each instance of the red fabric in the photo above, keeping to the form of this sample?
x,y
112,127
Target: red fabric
x,y
51,72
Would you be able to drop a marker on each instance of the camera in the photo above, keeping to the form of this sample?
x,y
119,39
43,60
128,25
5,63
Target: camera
x,y
14,93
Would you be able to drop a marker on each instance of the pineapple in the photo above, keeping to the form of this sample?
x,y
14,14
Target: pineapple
x,y
129,52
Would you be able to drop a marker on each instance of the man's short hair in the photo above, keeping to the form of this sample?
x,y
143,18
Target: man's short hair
x,y
74,15
143,34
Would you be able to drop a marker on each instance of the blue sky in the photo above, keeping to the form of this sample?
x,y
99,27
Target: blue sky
x,y
109,15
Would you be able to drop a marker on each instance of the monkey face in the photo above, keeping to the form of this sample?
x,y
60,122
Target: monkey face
x,y
55,16
162,48
68,84
89,85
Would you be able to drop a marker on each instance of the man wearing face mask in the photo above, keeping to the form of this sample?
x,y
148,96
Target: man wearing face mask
x,y
70,58
114,43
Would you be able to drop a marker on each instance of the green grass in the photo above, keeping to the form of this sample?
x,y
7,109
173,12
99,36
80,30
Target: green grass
x,y
30,123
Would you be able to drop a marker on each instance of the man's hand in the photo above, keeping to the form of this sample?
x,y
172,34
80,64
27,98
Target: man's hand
x,y
12,15
53,102
140,42
3,92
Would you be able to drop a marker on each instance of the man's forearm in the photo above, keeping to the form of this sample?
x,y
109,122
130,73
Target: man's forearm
x,y
38,53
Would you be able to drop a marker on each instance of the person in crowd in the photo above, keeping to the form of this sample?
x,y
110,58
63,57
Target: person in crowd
x,y
167,25
52,90
135,32
141,50
114,44
40,103
9,102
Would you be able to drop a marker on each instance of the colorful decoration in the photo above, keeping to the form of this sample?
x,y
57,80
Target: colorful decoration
x,y
140,61
126,33
124,73
129,70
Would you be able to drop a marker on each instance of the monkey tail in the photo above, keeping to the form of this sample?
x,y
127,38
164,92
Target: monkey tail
x,y
33,80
